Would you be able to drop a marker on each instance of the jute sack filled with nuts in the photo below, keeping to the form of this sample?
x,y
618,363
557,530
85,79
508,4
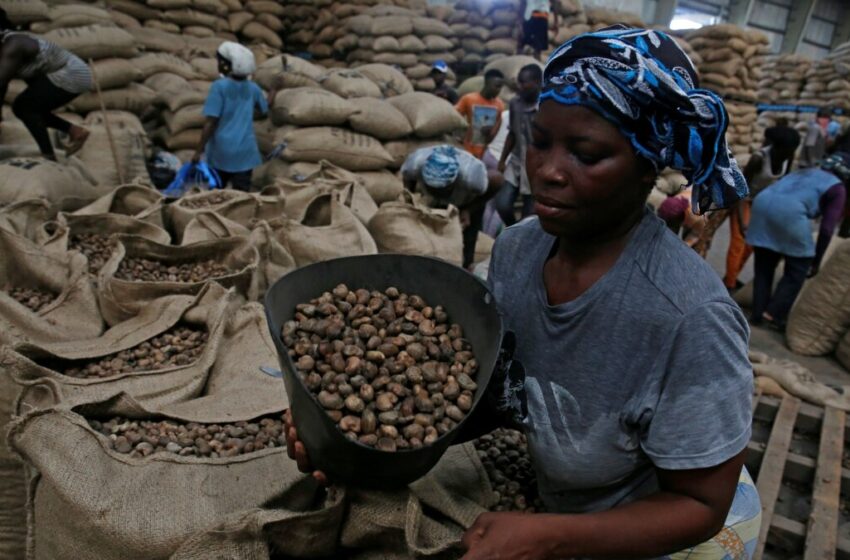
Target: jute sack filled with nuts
x,y
799,381
126,136
327,230
91,235
237,206
328,179
340,146
428,115
407,226
13,511
275,260
141,270
821,314
136,200
74,512
45,297
425,520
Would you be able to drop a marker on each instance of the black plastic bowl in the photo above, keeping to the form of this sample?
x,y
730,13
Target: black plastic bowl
x,y
468,303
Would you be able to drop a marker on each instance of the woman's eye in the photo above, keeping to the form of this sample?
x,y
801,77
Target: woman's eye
x,y
588,159
539,143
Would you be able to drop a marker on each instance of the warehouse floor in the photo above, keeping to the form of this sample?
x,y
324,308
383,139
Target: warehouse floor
x,y
827,370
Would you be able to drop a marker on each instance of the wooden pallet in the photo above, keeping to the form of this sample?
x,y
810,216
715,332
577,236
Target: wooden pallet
x,y
777,466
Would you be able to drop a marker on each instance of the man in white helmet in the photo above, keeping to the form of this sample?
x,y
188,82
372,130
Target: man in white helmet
x,y
228,139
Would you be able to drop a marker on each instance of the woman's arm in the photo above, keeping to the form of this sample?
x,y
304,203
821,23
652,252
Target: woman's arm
x,y
832,209
689,509
209,129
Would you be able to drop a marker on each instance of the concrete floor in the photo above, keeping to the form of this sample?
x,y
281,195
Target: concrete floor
x,y
827,370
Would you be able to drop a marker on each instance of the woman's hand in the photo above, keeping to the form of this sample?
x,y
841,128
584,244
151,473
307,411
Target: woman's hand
x,y
505,536
296,450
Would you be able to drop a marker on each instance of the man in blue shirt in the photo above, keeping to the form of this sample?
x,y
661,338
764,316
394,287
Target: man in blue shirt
x,y
228,136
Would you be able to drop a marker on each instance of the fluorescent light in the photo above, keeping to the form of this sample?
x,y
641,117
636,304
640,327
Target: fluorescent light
x,y
679,22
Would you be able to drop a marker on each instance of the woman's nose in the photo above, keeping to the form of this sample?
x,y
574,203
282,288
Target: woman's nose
x,y
550,170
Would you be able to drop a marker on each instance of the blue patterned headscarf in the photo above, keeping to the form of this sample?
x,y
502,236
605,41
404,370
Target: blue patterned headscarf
x,y
441,168
644,83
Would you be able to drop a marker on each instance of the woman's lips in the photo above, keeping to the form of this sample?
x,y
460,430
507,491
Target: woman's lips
x,y
547,208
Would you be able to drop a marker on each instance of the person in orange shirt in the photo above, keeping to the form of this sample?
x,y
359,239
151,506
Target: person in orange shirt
x,y
483,112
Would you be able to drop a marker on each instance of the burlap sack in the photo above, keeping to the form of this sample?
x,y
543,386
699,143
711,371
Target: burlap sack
x,y
155,40
290,71
259,32
391,81
94,41
242,208
382,186
327,230
428,115
128,140
407,226
115,73
397,26
135,98
27,218
185,118
310,106
73,16
154,63
72,314
842,352
510,67
174,91
349,84
68,225
798,381
350,150
207,226
172,497
329,179
821,314
57,183
120,299
378,118
400,149
429,26
411,44
437,43
22,12
13,510
135,200
384,44
404,60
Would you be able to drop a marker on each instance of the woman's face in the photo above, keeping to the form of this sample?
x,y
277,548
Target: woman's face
x,y
585,177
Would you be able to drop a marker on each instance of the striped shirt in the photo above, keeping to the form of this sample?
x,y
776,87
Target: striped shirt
x,y
64,69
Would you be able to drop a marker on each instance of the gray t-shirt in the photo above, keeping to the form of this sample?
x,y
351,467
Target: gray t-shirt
x,y
648,367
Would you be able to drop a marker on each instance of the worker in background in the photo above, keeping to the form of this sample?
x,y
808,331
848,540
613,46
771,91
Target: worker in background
x,y
522,109
482,111
677,213
781,229
228,136
439,73
445,175
766,166
535,26
820,136
54,76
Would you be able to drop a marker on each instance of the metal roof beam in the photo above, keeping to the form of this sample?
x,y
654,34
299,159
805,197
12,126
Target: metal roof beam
x,y
740,11
798,19
664,11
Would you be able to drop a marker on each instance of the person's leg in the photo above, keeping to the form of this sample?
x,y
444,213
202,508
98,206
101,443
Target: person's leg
x,y
470,233
225,177
241,181
35,106
766,262
504,202
735,253
796,270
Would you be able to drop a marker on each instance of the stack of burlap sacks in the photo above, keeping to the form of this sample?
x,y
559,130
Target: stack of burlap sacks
x,y
828,80
783,79
300,20
819,323
486,30
731,62
398,37
68,492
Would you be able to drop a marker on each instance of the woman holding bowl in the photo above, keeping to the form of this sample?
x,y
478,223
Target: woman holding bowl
x,y
638,383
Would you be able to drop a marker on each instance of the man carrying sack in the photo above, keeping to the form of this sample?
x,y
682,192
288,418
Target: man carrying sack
x,y
445,175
